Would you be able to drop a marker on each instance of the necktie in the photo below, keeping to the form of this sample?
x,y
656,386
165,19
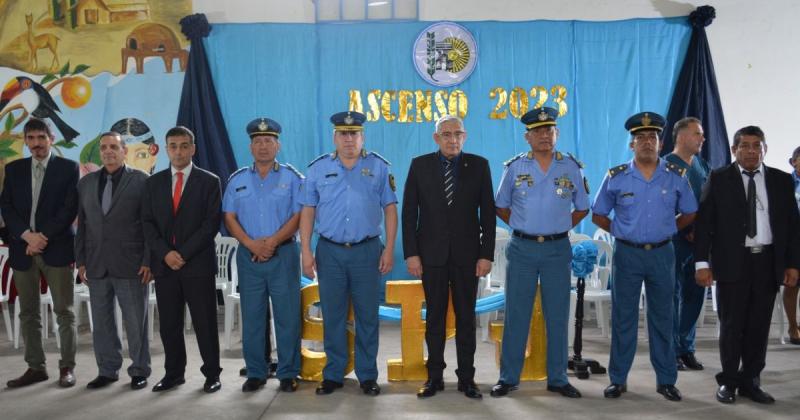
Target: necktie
x,y
105,201
751,204
448,182
38,175
176,195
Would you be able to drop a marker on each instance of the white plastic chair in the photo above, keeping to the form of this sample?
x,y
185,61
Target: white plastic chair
x,y
82,296
232,301
5,291
495,281
603,235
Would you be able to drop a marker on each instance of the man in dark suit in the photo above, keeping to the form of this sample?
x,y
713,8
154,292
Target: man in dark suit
x,y
39,203
448,242
747,229
181,215
113,260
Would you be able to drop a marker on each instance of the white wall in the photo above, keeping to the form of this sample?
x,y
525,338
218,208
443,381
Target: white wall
x,y
754,45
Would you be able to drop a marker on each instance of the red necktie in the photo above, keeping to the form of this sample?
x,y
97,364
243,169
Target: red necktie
x,y
176,195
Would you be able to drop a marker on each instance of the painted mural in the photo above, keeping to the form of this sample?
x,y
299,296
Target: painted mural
x,y
89,66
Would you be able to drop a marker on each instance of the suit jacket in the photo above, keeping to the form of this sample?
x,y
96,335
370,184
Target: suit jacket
x,y
435,231
55,211
191,230
720,224
111,244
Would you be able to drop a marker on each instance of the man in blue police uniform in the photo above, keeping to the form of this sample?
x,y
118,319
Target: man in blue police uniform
x,y
262,211
689,297
645,194
345,195
790,293
542,195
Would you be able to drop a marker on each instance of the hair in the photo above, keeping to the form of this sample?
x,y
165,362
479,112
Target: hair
x,y
113,134
447,117
795,154
180,131
750,130
681,124
36,124
133,127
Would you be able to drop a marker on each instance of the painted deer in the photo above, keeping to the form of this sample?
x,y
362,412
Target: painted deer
x,y
40,42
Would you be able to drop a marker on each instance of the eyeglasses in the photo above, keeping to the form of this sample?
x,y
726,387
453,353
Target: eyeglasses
x,y
449,135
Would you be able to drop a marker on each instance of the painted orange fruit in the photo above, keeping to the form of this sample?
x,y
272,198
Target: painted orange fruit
x,y
75,91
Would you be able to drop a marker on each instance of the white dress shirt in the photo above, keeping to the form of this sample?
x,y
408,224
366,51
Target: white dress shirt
x,y
186,171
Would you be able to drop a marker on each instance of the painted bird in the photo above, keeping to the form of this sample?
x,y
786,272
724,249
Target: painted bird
x,y
37,101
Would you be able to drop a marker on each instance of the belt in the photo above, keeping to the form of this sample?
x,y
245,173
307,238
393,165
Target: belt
x,y
758,249
348,244
645,247
541,238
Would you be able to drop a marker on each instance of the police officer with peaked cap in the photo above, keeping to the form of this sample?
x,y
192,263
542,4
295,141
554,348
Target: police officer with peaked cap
x,y
262,210
345,196
542,195
645,195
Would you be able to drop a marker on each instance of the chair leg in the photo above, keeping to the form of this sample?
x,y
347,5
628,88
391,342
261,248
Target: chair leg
x,y
55,327
151,309
7,318
228,323
600,314
118,319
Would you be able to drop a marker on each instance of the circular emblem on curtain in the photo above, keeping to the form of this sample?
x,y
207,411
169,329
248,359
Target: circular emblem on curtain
x,y
445,54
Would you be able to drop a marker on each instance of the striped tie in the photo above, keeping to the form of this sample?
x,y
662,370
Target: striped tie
x,y
448,182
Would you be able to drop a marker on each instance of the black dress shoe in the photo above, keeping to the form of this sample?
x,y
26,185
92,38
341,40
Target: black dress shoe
x,y
615,390
567,390
167,384
669,392
726,394
253,384
501,389
371,387
100,382
691,362
756,394
31,376
138,382
212,385
327,387
430,387
795,341
288,385
470,389
679,363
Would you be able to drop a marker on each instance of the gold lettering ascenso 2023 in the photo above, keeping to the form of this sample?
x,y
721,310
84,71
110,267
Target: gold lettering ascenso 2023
x,y
418,106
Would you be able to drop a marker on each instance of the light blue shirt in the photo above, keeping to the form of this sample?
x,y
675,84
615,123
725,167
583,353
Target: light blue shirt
x,y
263,205
542,203
644,211
349,202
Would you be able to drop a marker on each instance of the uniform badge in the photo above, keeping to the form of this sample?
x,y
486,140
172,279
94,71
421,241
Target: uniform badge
x,y
391,183
348,119
543,115
646,120
262,126
564,186
366,172
523,178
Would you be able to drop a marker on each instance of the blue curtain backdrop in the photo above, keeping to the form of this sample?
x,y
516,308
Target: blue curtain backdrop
x,y
299,74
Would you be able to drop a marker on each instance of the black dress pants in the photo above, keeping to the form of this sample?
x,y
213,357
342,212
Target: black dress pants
x,y
173,291
438,281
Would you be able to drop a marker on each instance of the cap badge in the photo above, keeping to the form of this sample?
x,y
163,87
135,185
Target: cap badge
x,y
543,115
262,126
646,120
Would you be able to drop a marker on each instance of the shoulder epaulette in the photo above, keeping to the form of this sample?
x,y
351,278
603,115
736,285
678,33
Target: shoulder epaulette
x,y
617,170
380,157
294,170
237,172
320,157
574,159
559,156
675,168
510,161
